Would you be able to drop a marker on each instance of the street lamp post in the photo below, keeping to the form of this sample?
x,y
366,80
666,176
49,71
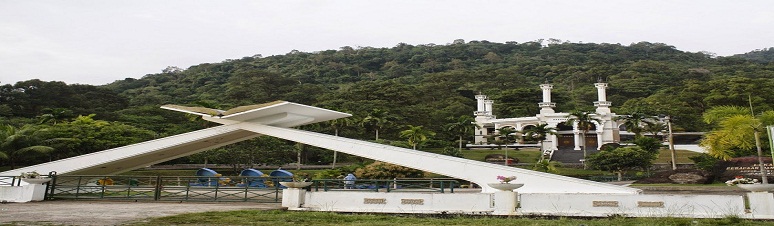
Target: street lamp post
x,y
671,142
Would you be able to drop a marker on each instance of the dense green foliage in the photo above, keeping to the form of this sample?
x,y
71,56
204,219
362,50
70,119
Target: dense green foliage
x,y
621,160
764,55
424,85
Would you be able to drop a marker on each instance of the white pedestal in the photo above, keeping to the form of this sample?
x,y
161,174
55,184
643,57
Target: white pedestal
x,y
761,204
26,193
34,192
293,198
505,203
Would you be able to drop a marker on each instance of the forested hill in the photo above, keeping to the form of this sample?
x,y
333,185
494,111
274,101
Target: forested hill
x,y
428,85
765,55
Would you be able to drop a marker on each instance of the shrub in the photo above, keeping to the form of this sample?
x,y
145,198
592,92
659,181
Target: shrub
x,y
383,170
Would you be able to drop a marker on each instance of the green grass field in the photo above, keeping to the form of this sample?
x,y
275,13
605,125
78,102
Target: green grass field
x,y
276,217
682,156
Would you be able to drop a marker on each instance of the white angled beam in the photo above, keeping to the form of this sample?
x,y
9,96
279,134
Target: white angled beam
x,y
130,157
477,172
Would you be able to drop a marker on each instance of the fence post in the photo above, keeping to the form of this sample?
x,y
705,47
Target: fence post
x,y
78,187
276,192
157,192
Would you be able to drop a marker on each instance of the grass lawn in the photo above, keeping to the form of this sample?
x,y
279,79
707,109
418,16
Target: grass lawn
x,y
277,217
682,156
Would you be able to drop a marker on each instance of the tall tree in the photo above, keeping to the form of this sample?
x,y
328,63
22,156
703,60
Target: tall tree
x,y
620,160
416,135
738,129
506,135
16,142
376,120
462,126
336,125
655,128
734,134
585,121
635,122
540,133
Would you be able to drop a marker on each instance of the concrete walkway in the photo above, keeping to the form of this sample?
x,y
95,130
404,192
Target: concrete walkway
x,y
108,212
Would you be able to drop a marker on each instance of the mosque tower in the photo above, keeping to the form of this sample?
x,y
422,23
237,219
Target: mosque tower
x,y
605,116
483,115
546,107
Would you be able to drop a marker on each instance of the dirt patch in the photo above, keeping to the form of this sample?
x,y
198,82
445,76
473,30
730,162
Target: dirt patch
x,y
109,213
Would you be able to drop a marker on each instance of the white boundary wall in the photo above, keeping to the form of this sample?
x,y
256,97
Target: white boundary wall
x,y
534,204
602,205
397,202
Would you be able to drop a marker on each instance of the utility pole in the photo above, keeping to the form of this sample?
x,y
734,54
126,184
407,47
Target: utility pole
x,y
671,142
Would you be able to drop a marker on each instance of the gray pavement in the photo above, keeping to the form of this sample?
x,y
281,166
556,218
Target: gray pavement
x,y
109,212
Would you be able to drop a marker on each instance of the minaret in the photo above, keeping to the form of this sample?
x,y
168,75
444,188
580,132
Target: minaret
x,y
483,115
483,106
546,107
607,125
603,106
488,107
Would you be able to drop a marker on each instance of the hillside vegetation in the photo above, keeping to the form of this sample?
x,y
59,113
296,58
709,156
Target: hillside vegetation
x,y
424,85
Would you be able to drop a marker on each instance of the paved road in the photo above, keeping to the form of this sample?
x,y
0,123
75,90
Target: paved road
x,y
109,213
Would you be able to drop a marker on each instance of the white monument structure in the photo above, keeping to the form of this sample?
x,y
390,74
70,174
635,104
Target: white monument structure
x,y
541,194
274,119
606,131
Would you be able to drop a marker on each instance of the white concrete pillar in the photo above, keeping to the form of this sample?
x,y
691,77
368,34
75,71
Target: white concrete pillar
x,y
576,136
546,92
480,102
602,104
505,203
488,107
293,198
599,139
546,107
601,95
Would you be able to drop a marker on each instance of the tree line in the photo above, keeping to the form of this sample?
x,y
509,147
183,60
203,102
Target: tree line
x,y
409,87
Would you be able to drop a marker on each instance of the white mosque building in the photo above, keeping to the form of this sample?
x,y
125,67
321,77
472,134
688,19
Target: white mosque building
x,y
568,136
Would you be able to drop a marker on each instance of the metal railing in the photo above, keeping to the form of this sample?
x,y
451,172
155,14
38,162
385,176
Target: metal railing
x,y
166,188
10,181
394,185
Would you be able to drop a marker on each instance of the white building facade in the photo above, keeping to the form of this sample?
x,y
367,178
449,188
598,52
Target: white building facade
x,y
568,136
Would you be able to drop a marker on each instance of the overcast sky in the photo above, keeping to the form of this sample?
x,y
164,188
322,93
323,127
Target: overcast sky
x,y
98,42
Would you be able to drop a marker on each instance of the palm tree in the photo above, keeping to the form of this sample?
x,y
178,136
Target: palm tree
x,y
506,135
540,133
462,126
338,124
585,121
635,121
56,115
376,120
14,142
655,128
416,135
738,129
